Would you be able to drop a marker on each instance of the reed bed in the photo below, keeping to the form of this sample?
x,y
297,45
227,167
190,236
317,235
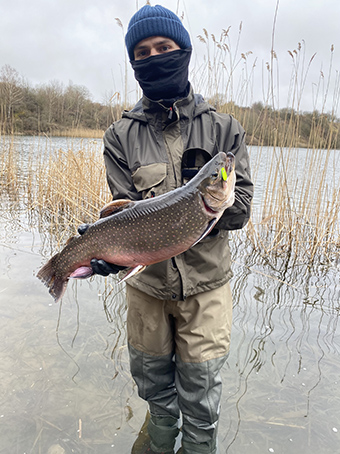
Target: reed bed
x,y
297,212
59,188
300,211
71,188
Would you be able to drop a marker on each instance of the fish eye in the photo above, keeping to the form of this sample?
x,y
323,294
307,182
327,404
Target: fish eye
x,y
214,175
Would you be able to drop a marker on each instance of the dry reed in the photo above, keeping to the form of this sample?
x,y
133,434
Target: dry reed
x,y
60,189
72,186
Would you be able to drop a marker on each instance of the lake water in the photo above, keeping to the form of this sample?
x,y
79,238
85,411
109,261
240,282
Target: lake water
x,y
64,370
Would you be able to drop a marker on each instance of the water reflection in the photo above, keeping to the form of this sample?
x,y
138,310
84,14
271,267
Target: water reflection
x,y
285,359
64,370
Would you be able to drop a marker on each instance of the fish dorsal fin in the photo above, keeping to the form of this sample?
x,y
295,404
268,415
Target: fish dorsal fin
x,y
114,207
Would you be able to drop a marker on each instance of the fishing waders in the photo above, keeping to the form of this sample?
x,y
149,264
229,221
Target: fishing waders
x,y
177,349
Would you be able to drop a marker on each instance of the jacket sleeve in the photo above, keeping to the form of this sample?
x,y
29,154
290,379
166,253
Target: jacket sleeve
x,y
118,173
238,215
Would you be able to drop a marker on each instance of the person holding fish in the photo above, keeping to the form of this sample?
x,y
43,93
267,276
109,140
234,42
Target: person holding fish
x,y
180,309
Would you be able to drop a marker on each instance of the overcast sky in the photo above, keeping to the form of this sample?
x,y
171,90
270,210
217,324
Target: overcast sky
x,y
80,41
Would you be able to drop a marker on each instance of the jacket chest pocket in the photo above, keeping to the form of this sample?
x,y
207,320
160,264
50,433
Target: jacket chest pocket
x,y
150,180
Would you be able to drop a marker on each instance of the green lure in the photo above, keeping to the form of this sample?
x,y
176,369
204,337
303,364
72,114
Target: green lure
x,y
224,174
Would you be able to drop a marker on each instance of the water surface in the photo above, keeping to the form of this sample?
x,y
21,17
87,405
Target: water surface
x,y
64,370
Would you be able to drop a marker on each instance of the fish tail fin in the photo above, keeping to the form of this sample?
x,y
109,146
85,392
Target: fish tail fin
x,y
56,284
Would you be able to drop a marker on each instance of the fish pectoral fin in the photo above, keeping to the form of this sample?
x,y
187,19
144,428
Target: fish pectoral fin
x,y
83,272
207,231
114,207
132,272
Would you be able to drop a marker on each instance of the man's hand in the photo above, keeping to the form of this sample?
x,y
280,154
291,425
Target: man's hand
x,y
104,268
100,266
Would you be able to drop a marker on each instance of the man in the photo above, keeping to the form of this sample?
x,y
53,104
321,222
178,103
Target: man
x,y
179,311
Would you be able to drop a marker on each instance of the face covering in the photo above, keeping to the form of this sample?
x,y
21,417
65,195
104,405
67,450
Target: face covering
x,y
163,76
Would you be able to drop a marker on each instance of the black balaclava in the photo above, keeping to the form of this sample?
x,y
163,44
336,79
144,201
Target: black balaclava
x,y
164,76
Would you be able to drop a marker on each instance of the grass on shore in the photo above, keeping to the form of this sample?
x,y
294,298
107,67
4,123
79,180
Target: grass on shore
x,y
79,132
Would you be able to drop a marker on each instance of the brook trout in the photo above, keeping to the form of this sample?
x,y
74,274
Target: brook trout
x,y
136,234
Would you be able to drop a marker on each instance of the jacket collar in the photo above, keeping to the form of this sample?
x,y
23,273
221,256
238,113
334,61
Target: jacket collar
x,y
188,107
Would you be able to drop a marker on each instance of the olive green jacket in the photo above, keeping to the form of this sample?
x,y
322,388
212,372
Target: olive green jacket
x,y
154,149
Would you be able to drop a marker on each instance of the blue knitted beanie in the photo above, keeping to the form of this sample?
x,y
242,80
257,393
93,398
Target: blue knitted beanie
x,y
155,21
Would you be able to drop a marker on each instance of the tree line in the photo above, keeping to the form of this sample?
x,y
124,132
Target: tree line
x,y
53,108
49,108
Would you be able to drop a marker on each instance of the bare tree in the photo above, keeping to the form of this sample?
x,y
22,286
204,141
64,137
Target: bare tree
x,y
11,95
52,100
76,97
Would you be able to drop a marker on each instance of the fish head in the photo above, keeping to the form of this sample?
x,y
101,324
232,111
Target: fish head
x,y
218,186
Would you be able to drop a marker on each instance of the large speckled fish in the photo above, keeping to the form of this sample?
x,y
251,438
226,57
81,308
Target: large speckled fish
x,y
140,233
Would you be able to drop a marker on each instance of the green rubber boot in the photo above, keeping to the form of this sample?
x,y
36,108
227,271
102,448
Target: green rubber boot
x,y
156,436
208,447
